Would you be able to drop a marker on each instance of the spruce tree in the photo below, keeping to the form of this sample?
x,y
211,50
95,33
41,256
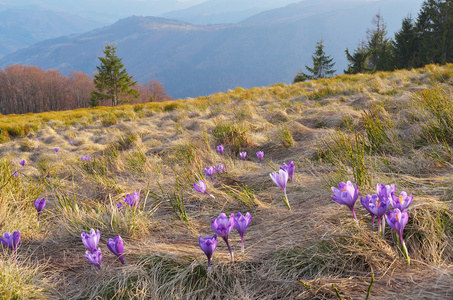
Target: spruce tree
x,y
358,60
405,45
380,45
435,31
322,65
112,81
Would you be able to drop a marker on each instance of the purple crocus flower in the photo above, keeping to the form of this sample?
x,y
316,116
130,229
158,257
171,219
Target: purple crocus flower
x,y
220,149
220,168
208,246
241,223
133,199
260,155
243,155
401,202
71,143
222,227
385,191
116,246
12,163
200,186
119,205
376,206
22,163
346,194
397,221
95,257
281,179
86,158
365,202
210,171
12,242
289,168
91,240
39,204
56,150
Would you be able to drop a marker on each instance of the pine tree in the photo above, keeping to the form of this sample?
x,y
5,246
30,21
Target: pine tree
x,y
358,60
405,45
322,65
435,31
112,81
381,47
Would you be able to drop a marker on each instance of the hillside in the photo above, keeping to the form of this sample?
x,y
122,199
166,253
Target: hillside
x,y
193,60
224,11
20,28
389,128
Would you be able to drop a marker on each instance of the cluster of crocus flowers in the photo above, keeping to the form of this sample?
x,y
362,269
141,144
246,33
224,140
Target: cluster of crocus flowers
x,y
86,158
378,206
39,205
200,186
281,179
12,242
132,200
222,226
260,155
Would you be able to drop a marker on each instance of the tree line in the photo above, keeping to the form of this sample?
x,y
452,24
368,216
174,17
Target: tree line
x,y
425,40
30,89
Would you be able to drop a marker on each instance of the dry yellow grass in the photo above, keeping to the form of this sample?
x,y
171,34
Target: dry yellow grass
x,y
161,149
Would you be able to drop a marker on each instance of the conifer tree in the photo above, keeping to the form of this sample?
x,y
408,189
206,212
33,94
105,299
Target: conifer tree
x,y
358,60
322,65
380,45
435,30
405,45
112,81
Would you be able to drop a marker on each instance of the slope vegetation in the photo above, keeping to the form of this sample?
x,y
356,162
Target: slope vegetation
x,y
390,128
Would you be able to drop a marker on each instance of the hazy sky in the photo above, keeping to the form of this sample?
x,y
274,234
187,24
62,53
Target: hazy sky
x,y
103,10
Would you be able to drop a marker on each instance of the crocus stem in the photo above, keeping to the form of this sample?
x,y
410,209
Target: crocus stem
x,y
38,219
408,259
229,249
383,226
209,195
15,256
286,200
242,243
353,213
372,221
379,226
209,262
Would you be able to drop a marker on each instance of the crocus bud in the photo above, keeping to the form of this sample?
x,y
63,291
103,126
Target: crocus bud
x,y
208,246
94,257
116,246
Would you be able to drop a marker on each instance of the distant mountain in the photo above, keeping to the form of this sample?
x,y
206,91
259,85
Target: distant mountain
x,y
21,28
224,11
103,11
192,60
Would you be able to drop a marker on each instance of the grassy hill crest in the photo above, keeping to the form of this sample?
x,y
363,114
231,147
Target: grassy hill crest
x,y
388,127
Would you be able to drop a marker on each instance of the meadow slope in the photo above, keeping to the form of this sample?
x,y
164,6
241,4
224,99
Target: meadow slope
x,y
391,128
